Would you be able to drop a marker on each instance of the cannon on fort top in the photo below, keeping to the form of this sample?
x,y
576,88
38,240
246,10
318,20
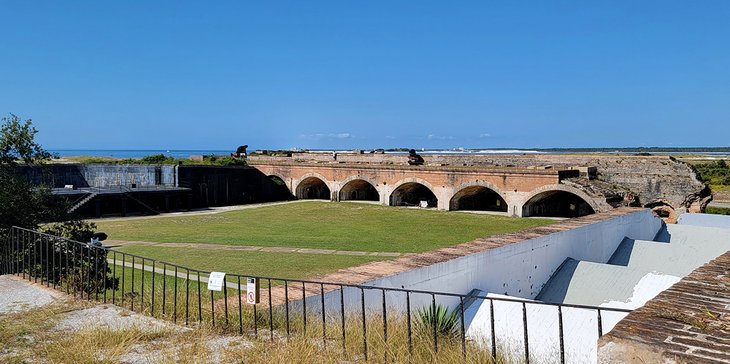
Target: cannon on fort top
x,y
240,152
414,159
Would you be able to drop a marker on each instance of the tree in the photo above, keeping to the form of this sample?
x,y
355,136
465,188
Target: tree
x,y
21,203
17,143
25,205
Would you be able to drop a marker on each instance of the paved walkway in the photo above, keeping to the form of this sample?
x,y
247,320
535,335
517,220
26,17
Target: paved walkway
x,y
721,204
271,249
203,211
18,294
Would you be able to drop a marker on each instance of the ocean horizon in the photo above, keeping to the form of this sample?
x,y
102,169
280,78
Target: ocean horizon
x,y
186,153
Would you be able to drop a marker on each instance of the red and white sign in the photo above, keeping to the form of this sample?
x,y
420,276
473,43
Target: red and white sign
x,y
252,291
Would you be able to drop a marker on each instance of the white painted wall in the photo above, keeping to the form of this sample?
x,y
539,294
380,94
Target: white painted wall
x,y
521,269
516,270
580,330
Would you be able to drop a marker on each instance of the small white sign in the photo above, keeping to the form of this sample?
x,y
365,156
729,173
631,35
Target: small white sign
x,y
215,281
252,291
424,204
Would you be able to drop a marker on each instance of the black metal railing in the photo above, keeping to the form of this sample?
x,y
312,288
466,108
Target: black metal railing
x,y
366,320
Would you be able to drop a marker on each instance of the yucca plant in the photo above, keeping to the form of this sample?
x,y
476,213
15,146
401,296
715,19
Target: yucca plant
x,y
446,321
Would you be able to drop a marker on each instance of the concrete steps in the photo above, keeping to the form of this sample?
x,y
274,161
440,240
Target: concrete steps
x,y
83,201
638,270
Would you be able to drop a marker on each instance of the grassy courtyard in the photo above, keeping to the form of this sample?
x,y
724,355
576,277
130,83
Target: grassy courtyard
x,y
322,225
280,265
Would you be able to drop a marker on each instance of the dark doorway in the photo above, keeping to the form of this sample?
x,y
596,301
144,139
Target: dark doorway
x,y
359,190
477,198
557,204
411,194
313,188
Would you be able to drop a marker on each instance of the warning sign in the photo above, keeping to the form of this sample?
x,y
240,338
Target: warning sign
x,y
252,291
215,281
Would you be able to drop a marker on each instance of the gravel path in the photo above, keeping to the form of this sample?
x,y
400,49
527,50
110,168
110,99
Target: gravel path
x,y
17,294
197,212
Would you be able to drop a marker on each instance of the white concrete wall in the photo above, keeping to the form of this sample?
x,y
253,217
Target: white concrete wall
x,y
705,220
580,330
521,269
517,270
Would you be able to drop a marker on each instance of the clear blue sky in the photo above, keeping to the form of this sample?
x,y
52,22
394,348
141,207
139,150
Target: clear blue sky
x,y
368,74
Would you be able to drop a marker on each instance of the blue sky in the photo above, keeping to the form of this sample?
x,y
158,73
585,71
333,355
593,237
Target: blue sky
x,y
368,74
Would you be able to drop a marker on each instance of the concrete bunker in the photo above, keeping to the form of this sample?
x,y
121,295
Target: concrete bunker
x,y
359,190
313,188
478,198
411,194
556,203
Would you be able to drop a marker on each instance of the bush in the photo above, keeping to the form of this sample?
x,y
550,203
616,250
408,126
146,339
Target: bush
x,y
77,230
716,173
717,210
447,322
163,159
225,161
88,270
157,159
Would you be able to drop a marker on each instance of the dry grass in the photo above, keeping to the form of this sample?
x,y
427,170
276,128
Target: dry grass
x,y
30,336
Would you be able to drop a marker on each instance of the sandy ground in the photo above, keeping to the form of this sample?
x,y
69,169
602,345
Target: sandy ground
x,y
17,294
108,316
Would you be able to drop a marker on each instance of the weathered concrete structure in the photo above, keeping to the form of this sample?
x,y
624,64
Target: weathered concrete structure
x,y
118,189
529,185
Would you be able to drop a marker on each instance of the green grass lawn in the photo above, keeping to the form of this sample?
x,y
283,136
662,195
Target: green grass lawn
x,y
341,226
280,265
720,188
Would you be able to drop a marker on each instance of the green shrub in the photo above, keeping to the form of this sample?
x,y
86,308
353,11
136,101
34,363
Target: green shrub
x,y
716,173
447,321
717,210
224,161
157,159
662,213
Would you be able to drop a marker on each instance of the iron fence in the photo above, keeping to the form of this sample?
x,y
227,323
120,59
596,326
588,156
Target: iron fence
x,y
362,317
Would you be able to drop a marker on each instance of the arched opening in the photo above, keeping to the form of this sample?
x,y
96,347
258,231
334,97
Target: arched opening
x,y
664,211
279,189
359,190
478,198
413,194
313,188
557,204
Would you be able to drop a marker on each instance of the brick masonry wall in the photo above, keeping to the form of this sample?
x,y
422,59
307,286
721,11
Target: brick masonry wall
x,y
654,179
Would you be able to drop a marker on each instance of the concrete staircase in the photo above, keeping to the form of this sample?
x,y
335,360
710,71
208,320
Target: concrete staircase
x,y
80,203
638,270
